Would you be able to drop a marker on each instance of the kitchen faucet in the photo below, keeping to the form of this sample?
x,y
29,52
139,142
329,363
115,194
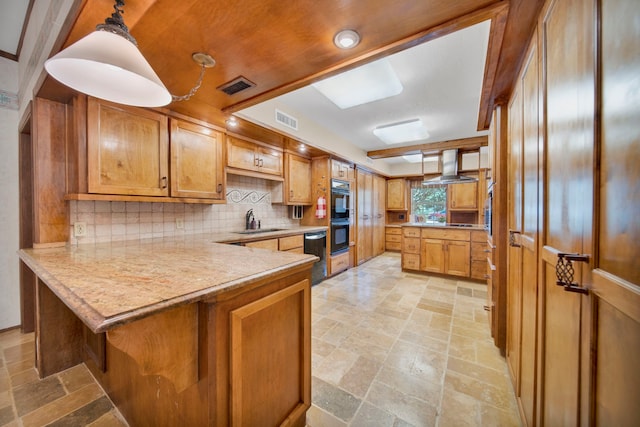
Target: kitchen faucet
x,y
248,219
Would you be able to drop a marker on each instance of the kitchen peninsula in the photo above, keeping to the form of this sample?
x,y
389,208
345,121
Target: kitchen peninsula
x,y
181,331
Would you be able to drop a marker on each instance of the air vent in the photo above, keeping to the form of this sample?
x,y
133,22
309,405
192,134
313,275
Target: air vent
x,y
286,120
236,85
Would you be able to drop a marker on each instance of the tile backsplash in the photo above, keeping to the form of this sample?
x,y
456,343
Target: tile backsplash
x,y
115,221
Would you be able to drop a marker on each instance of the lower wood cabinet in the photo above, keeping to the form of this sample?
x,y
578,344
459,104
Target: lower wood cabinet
x,y
338,263
479,253
393,239
271,244
241,357
448,251
289,243
292,243
445,257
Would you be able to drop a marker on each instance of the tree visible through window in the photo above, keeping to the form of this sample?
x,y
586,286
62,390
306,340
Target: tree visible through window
x,y
430,203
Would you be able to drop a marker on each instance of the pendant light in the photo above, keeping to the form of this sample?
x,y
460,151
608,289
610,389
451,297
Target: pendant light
x,y
107,64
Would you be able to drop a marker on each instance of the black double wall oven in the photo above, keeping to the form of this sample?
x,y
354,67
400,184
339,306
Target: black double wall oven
x,y
340,193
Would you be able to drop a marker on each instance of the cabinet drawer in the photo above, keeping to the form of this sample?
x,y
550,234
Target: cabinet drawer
x,y
339,263
271,244
479,269
479,236
291,242
411,245
411,261
394,230
445,233
478,251
393,238
411,231
393,246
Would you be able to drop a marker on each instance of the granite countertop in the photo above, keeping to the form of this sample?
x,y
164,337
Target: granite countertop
x,y
109,284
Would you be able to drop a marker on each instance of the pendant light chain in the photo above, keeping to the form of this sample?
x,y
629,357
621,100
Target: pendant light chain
x,y
194,89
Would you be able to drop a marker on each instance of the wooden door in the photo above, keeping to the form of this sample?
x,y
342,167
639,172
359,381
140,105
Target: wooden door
x,y
365,216
298,180
378,213
432,255
463,196
457,258
568,201
529,238
128,150
615,279
197,166
514,253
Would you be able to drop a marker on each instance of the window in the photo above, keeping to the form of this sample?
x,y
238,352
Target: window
x,y
429,203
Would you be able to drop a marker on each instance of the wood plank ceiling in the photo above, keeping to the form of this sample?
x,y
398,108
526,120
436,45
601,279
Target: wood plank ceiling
x,y
282,46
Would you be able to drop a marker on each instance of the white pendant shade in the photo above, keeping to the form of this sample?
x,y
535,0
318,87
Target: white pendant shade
x,y
108,66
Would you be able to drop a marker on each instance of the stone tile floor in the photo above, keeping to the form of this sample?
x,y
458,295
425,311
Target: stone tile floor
x,y
70,398
400,349
389,349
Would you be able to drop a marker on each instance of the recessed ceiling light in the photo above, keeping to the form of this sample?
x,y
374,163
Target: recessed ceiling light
x,y
370,82
346,39
395,133
232,122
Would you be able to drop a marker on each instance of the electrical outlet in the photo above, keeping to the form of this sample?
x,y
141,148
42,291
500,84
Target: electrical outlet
x,y
179,223
80,229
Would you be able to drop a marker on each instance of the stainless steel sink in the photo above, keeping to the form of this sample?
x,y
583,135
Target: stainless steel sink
x,y
259,230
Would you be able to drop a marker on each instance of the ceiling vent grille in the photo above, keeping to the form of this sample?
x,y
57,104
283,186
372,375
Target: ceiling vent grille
x,y
236,85
287,120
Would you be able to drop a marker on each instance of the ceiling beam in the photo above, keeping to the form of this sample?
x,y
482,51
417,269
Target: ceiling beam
x,y
465,144
487,97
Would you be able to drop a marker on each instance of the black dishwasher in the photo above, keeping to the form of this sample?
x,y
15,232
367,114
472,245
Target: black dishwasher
x,y
316,244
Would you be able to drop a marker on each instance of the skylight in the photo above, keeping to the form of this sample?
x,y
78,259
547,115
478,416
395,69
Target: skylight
x,y
406,131
361,85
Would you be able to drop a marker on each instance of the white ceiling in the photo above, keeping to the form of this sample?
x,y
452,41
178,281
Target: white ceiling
x,y
442,82
12,19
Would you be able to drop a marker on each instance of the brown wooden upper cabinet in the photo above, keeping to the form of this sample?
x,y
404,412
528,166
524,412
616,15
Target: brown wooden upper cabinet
x,y
253,156
463,196
297,183
197,165
342,170
127,150
397,196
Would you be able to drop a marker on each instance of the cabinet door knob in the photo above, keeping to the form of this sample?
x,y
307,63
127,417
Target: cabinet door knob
x,y
219,188
163,182
261,162
291,193
256,161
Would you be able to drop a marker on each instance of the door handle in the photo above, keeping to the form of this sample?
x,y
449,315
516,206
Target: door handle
x,y
512,238
565,272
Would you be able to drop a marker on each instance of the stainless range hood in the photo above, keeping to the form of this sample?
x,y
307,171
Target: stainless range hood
x,y
449,168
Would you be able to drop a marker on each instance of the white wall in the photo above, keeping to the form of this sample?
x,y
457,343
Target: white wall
x,y
311,133
20,78
9,277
